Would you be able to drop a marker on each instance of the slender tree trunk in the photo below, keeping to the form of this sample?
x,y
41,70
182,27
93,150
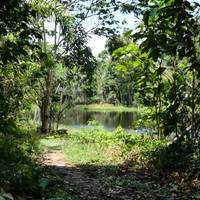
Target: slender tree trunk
x,y
44,107
157,121
194,132
59,115
52,74
35,119
158,110
44,117
174,63
46,100
46,104
130,103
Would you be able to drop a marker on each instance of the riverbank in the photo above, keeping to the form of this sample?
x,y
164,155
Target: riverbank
x,y
108,108
80,164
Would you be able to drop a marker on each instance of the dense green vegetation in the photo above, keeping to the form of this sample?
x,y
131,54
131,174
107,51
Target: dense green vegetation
x,y
22,174
46,67
112,155
108,108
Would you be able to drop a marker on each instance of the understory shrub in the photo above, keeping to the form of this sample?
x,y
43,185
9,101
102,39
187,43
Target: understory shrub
x,y
181,157
23,177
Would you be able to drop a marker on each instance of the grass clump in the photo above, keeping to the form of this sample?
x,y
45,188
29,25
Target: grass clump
x,y
95,145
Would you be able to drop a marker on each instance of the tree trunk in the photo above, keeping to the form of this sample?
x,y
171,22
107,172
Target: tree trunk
x,y
44,117
46,103
193,124
130,99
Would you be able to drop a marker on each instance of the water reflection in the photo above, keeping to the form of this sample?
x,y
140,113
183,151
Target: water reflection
x,y
109,120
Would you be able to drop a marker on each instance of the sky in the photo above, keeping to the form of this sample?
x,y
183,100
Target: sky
x,y
97,43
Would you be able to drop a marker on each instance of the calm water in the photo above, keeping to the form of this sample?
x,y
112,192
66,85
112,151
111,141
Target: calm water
x,y
110,120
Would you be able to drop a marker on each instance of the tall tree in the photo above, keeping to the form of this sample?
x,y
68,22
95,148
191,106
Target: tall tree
x,y
16,40
53,44
170,28
69,42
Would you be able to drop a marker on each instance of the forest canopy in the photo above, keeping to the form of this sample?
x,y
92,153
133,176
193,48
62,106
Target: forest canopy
x,y
47,69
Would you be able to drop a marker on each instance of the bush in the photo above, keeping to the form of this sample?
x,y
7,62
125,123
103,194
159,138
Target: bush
x,y
178,157
21,175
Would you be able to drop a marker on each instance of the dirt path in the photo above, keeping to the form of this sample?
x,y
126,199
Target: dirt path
x,y
76,181
88,183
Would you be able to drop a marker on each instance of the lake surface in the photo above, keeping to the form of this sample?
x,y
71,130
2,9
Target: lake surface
x,y
110,120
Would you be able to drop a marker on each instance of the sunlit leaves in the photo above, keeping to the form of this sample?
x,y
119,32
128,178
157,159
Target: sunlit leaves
x,y
121,68
170,28
16,31
16,42
130,55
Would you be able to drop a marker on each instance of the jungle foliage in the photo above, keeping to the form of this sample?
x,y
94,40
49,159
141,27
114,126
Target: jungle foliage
x,y
45,62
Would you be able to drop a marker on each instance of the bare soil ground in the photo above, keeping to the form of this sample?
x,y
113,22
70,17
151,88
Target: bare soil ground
x,y
92,182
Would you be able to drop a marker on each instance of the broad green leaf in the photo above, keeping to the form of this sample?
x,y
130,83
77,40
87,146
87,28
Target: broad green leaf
x,y
128,33
136,63
8,196
43,183
121,68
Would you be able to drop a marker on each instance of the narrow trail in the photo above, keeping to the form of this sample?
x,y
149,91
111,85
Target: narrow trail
x,y
76,181
85,184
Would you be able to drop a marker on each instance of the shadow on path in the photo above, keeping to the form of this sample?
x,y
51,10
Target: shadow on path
x,y
100,182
